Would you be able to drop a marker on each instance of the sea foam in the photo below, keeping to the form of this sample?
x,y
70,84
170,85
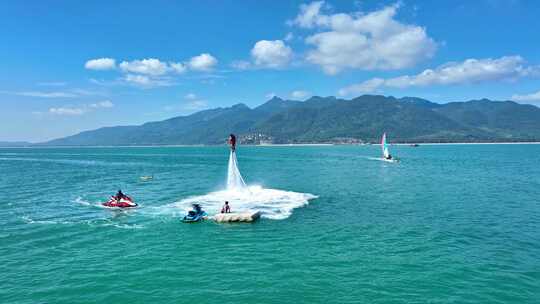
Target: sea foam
x,y
272,203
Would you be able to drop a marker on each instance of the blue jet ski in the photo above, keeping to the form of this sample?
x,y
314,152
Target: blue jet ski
x,y
195,215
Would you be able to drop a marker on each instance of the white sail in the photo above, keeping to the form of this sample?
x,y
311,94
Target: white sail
x,y
384,146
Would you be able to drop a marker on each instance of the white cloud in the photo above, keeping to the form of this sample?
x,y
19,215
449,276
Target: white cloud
x,y
101,64
146,81
466,72
102,104
299,94
69,93
203,62
150,66
178,67
47,94
271,54
367,86
67,111
152,72
527,97
44,94
190,96
373,41
79,110
309,14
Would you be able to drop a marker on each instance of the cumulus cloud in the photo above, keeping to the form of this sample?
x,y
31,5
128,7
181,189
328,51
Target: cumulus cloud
x,y
178,67
309,15
299,94
452,73
533,97
372,41
150,66
152,72
101,64
271,54
203,62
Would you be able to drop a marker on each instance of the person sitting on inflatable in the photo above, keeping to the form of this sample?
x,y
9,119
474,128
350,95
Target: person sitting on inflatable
x,y
226,208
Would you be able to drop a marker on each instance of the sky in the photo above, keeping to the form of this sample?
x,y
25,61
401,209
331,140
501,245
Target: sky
x,y
70,66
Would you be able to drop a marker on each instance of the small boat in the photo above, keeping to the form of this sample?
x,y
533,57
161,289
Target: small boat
x,y
386,153
124,202
147,177
195,215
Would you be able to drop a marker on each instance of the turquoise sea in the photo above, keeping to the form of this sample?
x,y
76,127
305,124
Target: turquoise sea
x,y
448,224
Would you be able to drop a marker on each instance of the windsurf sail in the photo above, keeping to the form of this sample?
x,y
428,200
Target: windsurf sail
x,y
384,146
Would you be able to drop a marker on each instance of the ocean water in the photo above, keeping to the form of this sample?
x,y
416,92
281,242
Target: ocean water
x,y
447,224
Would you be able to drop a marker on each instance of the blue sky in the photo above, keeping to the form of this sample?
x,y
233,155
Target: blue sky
x,y
69,66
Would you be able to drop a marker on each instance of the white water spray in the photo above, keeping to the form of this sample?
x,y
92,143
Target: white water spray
x,y
234,178
272,203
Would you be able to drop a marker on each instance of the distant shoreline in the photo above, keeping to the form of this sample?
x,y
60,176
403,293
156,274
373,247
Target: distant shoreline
x,y
275,145
466,143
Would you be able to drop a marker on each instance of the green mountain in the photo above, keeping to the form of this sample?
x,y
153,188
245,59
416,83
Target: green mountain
x,y
330,119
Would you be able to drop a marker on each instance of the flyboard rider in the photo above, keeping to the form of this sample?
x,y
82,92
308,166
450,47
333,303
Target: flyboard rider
x,y
232,142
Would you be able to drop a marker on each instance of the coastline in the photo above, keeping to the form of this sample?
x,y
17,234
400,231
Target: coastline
x,y
272,145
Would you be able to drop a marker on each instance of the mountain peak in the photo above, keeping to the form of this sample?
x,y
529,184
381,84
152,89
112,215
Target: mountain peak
x,y
275,99
276,104
240,106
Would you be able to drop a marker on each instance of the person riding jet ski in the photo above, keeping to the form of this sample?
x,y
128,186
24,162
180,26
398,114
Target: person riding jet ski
x,y
195,215
120,200
119,195
232,142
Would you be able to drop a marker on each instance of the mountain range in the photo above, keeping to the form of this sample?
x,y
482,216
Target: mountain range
x,y
331,119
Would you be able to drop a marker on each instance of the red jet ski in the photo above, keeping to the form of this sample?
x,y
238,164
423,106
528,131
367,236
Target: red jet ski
x,y
124,202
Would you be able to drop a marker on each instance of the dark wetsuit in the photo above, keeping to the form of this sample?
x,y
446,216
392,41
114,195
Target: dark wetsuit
x,y
226,209
119,195
232,142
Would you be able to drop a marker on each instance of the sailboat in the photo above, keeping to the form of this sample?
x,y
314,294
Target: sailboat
x,y
385,151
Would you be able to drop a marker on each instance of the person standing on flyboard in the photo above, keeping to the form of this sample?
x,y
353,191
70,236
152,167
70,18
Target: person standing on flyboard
x,y
232,142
